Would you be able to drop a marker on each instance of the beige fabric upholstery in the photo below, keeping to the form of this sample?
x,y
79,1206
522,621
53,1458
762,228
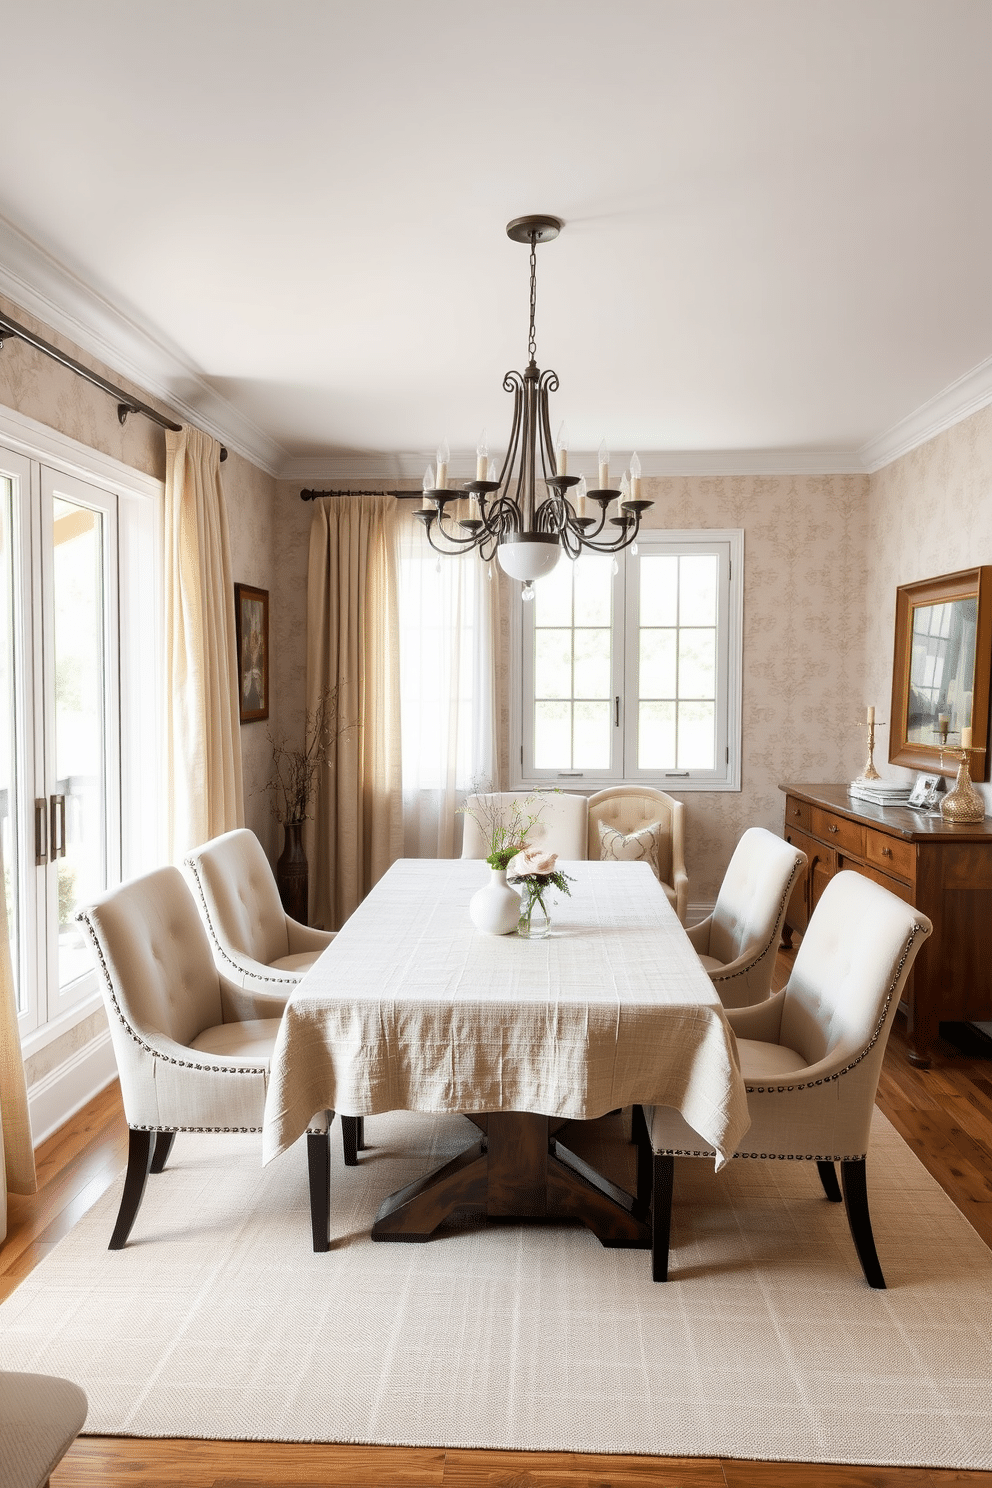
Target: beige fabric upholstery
x,y
40,1418
167,1004
561,828
626,808
811,1054
738,941
255,943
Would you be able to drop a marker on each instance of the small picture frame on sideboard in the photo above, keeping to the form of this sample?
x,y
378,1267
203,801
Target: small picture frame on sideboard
x,y
926,792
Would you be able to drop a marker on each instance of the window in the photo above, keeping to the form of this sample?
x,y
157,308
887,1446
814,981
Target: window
x,y
76,555
630,667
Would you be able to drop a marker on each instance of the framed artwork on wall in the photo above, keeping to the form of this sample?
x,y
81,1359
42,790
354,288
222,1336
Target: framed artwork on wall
x,y
251,609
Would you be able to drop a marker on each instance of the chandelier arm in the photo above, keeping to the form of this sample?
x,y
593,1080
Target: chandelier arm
x,y
626,536
463,544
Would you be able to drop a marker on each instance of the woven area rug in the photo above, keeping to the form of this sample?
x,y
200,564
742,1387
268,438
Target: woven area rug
x,y
218,1321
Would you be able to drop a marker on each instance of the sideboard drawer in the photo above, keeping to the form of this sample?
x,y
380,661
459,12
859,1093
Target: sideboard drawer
x,y
891,854
797,814
845,836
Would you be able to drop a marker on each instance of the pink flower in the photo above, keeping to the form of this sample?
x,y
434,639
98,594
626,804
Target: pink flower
x,y
533,861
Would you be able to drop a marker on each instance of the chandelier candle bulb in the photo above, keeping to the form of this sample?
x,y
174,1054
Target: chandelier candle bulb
x,y
580,497
604,467
635,478
443,456
428,504
482,458
561,451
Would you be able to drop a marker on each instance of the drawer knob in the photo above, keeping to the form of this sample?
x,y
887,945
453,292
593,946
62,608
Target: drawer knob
x,y
833,827
886,852
796,811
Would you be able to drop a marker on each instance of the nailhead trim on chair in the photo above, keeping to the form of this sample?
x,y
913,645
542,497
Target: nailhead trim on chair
x,y
242,971
715,976
811,1084
765,1156
82,918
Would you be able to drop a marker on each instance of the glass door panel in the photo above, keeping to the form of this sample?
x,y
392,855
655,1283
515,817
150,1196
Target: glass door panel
x,y
79,806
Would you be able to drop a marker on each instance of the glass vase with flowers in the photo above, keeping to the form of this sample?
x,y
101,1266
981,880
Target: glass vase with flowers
x,y
535,871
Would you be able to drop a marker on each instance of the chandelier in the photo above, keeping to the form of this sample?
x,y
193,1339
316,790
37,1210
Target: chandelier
x,y
526,524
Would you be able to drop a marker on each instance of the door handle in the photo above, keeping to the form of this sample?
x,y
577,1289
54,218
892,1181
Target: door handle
x,y
41,831
58,826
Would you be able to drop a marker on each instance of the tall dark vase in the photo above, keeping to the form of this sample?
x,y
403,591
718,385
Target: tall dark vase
x,y
293,874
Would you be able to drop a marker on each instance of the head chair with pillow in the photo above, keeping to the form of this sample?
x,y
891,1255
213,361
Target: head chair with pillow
x,y
560,828
737,943
810,1056
193,1049
635,822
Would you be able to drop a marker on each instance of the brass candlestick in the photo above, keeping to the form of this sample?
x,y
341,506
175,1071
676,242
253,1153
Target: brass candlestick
x,y
869,772
963,803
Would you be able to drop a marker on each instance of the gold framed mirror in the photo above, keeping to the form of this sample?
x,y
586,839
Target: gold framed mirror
x,y
941,670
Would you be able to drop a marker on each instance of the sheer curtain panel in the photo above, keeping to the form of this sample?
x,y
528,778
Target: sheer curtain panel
x,y
447,615
353,646
203,743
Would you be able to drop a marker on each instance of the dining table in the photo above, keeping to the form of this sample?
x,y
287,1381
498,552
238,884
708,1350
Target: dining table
x,y
411,1008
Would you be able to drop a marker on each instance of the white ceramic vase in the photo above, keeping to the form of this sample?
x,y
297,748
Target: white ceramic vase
x,y
495,908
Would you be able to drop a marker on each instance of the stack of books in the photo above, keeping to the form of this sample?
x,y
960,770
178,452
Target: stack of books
x,y
880,792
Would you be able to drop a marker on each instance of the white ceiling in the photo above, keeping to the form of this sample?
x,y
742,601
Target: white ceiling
x,y
288,217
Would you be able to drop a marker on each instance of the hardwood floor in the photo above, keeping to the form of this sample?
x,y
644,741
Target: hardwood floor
x,y
944,1113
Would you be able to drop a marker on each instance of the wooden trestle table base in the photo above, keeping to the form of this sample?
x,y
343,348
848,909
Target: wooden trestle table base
x,y
518,1170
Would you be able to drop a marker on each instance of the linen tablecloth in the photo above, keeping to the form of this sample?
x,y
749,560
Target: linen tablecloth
x,y
411,1008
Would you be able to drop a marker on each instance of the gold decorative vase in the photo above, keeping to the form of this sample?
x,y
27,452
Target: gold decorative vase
x,y
963,803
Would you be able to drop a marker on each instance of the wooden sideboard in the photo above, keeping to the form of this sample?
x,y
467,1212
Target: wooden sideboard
x,y
941,868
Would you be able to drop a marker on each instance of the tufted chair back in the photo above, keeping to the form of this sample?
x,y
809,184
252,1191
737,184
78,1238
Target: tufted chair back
x,y
628,808
561,828
751,894
240,895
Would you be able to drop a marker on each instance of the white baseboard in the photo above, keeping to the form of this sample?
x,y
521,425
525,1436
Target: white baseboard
x,y
57,1096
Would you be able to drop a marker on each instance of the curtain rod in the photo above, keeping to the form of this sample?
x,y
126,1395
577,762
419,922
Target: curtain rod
x,y
125,402
402,495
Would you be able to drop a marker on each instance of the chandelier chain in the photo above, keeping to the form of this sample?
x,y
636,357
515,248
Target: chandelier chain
x,y
532,338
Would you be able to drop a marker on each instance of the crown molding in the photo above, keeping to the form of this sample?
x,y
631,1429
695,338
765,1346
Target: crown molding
x,y
964,396
358,466
38,283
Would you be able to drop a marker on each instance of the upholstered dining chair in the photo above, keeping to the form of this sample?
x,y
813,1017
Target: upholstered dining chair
x,y
40,1418
637,821
738,941
560,828
810,1056
193,1049
255,942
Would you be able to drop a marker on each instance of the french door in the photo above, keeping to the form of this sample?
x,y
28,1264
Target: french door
x,y
60,747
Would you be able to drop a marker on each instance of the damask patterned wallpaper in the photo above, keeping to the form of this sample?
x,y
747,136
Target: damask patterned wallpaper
x,y
930,514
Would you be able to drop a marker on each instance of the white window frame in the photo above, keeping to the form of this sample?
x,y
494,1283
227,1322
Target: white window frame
x,y
726,774
139,831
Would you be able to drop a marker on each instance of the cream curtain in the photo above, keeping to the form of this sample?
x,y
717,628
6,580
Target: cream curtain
x,y
203,743
353,645
448,609
17,1173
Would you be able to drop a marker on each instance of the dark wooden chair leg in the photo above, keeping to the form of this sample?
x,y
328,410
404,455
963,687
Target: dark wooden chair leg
x,y
828,1177
663,1182
351,1139
140,1147
854,1180
639,1133
163,1146
319,1172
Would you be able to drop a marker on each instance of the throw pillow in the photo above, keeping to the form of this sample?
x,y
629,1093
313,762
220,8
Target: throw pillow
x,y
631,847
